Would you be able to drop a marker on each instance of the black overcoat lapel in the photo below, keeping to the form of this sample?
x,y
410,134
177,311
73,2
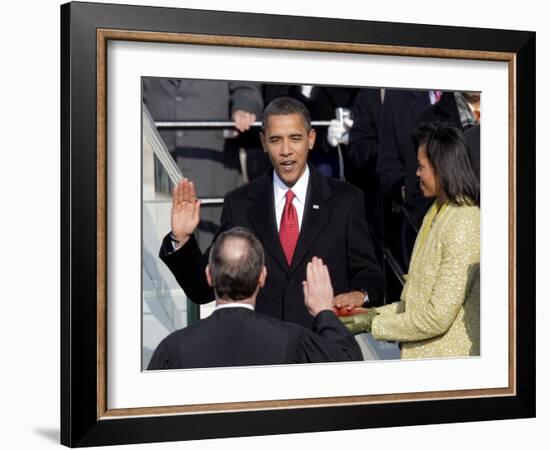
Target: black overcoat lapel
x,y
261,216
316,215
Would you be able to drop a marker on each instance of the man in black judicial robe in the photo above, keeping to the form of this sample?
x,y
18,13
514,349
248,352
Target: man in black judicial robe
x,y
236,335
331,221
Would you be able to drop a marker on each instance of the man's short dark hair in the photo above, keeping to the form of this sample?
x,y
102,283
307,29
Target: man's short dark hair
x,y
236,261
449,153
284,106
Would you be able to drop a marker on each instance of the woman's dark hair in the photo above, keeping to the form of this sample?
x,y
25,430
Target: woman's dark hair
x,y
449,154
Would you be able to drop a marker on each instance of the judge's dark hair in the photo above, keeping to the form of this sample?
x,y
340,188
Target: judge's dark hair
x,y
449,154
235,277
284,106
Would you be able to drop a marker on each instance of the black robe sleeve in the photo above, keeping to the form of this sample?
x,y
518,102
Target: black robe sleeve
x,y
164,357
329,341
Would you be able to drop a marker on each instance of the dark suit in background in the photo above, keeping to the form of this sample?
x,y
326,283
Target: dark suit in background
x,y
360,161
473,139
333,228
398,118
396,157
238,336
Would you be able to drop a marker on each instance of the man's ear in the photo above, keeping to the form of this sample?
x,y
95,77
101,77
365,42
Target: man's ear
x,y
262,140
263,276
311,138
208,275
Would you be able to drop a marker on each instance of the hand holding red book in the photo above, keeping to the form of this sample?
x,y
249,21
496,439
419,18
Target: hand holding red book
x,y
344,311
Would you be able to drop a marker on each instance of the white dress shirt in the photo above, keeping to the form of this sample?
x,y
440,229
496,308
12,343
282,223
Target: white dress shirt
x,y
234,305
433,98
299,202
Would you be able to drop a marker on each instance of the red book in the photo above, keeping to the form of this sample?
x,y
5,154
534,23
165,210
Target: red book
x,y
343,312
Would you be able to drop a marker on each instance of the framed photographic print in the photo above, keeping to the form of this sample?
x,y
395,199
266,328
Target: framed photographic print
x,y
116,306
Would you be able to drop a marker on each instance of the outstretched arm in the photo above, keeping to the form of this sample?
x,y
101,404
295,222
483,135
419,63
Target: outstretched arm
x,y
179,249
445,295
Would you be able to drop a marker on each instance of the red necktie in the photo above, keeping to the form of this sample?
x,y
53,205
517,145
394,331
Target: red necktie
x,y
437,95
289,229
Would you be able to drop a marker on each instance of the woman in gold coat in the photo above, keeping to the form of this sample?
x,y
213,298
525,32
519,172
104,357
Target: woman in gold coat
x,y
438,315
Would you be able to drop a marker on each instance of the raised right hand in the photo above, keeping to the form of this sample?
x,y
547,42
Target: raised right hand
x,y
185,211
318,293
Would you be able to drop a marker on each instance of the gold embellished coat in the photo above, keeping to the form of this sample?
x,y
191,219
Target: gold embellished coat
x,y
438,315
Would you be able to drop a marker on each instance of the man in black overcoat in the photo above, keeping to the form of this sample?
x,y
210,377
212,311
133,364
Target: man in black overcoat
x,y
327,217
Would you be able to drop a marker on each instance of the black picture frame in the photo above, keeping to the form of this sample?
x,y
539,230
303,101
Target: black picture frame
x,y
83,418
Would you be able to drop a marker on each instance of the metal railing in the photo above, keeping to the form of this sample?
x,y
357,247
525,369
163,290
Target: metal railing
x,y
153,141
394,266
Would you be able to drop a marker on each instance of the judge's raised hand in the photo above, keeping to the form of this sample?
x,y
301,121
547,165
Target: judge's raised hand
x,y
185,211
318,291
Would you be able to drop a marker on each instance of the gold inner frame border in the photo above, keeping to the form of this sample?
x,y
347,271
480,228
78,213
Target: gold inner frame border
x,y
103,36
